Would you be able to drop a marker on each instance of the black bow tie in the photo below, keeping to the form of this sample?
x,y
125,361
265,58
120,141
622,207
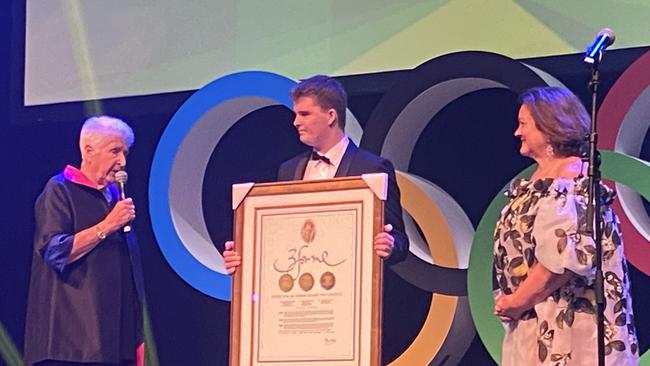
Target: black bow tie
x,y
317,156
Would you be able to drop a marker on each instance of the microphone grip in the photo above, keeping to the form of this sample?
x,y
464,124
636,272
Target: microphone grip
x,y
122,189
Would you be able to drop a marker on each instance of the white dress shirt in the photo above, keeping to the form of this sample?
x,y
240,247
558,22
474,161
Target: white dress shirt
x,y
318,169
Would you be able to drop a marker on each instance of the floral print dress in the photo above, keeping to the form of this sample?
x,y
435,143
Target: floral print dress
x,y
545,221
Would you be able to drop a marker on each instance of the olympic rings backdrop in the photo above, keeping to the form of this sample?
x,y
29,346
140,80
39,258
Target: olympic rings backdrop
x,y
453,301
447,125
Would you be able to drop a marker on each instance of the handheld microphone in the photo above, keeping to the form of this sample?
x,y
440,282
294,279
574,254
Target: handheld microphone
x,y
120,178
604,39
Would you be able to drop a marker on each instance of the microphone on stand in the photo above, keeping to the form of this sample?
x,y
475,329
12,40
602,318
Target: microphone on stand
x,y
120,178
604,39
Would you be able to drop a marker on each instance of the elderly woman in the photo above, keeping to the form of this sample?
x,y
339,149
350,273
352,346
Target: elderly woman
x,y
544,259
85,292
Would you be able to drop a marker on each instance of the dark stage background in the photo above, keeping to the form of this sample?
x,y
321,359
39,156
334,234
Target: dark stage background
x,y
467,149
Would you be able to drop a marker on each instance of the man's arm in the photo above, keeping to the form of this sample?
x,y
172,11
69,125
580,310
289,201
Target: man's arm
x,y
393,216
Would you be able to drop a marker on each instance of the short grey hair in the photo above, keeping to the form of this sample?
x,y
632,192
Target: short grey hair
x,y
97,128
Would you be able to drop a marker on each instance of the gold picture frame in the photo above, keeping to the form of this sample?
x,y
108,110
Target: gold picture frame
x,y
309,288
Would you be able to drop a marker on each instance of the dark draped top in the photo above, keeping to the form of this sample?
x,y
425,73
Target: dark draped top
x,y
89,310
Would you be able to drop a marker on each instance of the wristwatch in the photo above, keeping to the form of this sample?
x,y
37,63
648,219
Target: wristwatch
x,y
100,234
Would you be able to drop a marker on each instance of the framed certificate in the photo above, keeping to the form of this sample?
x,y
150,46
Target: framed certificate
x,y
308,291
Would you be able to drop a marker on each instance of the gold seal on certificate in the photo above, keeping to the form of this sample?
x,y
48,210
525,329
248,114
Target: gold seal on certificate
x,y
285,283
306,281
327,280
308,231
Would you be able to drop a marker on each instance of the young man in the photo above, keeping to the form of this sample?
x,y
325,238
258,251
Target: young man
x,y
320,103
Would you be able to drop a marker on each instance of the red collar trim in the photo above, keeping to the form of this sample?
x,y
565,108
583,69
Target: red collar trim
x,y
75,175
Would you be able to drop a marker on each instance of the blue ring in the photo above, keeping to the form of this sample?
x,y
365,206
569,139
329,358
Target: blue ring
x,y
237,85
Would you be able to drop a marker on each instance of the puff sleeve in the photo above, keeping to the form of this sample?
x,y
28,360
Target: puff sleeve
x,y
561,242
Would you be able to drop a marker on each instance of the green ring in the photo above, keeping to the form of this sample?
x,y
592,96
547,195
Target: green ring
x,y
618,167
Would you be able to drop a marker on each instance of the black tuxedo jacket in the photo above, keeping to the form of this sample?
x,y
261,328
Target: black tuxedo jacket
x,y
355,162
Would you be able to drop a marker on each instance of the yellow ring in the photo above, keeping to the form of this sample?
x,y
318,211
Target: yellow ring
x,y
436,326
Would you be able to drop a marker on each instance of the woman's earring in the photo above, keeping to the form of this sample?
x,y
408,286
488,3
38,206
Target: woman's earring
x,y
550,152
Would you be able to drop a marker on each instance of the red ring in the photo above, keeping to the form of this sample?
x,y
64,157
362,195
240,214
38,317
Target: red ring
x,y
618,101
